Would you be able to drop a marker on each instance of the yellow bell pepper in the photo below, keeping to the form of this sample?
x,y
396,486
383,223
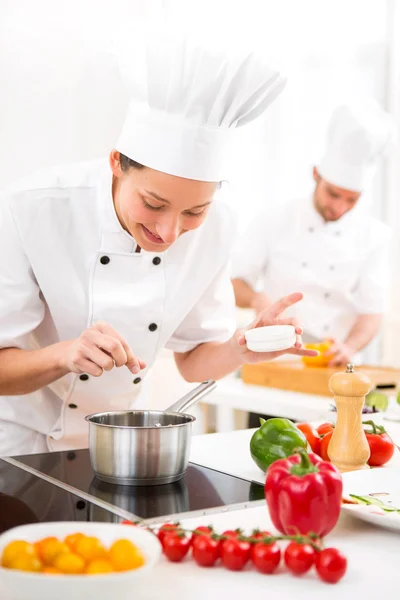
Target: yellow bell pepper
x,y
322,359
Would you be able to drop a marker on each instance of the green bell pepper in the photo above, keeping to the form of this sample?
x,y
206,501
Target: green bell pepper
x,y
276,438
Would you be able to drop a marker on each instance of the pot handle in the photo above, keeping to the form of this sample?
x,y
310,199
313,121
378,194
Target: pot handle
x,y
192,397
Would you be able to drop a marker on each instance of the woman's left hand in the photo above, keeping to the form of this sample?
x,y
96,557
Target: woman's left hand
x,y
271,316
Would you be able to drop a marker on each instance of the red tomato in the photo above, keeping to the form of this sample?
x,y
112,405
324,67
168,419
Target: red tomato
x,y
259,535
205,550
202,530
165,529
232,533
266,557
325,428
235,554
299,558
331,565
126,522
382,449
323,452
311,434
176,546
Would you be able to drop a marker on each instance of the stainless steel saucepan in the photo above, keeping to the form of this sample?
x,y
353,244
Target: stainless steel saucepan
x,y
146,447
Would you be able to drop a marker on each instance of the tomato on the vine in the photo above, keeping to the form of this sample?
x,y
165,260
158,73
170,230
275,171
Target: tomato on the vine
x,y
166,529
312,435
259,534
176,546
299,558
266,557
235,553
232,533
205,550
202,530
324,446
325,428
331,565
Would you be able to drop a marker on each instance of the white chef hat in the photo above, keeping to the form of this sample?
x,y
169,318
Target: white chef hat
x,y
358,134
187,98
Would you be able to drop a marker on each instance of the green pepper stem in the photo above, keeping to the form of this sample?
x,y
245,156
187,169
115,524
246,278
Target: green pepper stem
x,y
305,465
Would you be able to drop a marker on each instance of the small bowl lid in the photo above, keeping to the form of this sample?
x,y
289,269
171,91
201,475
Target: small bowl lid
x,y
271,333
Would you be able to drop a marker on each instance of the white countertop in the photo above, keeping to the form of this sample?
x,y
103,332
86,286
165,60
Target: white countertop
x,y
372,552
230,452
372,556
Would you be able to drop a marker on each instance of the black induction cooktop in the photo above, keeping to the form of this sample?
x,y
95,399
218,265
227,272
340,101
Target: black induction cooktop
x,y
200,490
25,499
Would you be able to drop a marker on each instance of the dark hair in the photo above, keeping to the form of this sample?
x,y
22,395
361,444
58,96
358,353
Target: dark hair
x,y
127,163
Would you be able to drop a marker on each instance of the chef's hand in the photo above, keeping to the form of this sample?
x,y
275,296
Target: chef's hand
x,y
270,316
100,348
340,354
260,302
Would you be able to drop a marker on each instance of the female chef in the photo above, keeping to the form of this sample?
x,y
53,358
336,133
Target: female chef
x,y
104,264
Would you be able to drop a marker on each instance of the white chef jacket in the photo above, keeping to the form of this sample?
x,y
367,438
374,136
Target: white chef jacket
x,y
54,284
342,267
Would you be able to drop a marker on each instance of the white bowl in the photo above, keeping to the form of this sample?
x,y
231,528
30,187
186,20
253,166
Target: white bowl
x,y
270,339
36,586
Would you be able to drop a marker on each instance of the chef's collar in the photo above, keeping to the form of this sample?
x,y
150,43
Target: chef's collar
x,y
114,235
315,220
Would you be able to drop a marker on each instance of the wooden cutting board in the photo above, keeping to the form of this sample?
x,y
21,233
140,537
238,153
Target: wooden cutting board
x,y
297,377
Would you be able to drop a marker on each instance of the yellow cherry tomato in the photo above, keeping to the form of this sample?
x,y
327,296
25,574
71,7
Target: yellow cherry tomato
x,y
99,566
15,549
69,563
26,562
41,545
72,539
50,549
124,556
50,571
90,548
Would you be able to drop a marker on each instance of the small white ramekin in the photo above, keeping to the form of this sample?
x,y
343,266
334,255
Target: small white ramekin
x,y
270,339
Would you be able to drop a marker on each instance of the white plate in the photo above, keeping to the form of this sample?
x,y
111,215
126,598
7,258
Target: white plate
x,y
374,481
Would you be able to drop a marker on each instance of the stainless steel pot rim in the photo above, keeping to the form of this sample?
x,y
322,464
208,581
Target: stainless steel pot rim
x,y
190,419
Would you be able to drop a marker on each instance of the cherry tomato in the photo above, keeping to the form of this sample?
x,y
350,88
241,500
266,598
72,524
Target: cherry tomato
x,y
266,557
235,554
232,533
205,550
311,434
202,530
323,452
331,565
381,447
325,428
165,529
260,535
299,558
176,546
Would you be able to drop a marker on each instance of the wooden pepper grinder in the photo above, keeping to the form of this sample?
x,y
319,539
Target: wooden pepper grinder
x,y
348,448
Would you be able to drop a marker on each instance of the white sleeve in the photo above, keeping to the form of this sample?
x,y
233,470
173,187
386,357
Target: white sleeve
x,y
372,292
212,319
250,255
21,306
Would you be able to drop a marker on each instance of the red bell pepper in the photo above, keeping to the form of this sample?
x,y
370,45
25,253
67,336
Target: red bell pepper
x,y
304,494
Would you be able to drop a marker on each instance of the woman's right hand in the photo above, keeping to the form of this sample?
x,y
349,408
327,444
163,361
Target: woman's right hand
x,y
100,348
